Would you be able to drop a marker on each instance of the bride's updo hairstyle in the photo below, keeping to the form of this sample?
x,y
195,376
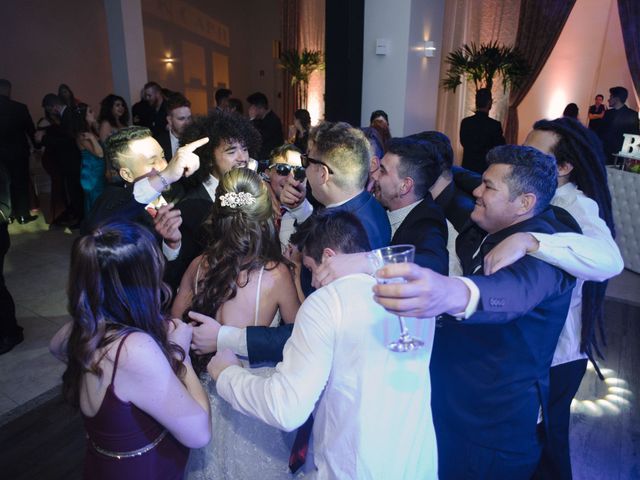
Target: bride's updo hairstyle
x,y
242,237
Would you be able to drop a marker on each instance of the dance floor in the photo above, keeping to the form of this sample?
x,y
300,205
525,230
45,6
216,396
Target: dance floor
x,y
41,437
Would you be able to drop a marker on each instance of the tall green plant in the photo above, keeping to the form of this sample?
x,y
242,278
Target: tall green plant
x,y
300,65
481,64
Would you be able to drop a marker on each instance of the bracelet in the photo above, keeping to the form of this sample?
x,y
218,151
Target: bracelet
x,y
165,184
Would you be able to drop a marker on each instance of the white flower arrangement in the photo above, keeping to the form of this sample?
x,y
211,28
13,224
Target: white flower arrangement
x,y
235,200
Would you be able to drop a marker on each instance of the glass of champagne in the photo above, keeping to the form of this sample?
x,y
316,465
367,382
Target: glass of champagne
x,y
386,256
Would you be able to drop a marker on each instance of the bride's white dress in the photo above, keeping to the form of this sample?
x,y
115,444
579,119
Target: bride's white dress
x,y
241,447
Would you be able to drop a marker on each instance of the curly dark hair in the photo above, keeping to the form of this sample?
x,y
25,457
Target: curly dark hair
x,y
106,111
241,239
219,127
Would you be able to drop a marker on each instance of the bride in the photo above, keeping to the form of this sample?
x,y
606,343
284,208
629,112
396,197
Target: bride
x,y
241,279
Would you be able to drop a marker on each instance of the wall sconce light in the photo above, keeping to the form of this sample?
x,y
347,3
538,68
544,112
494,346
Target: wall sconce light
x,y
429,48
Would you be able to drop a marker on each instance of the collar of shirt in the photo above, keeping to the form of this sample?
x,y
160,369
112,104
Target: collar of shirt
x,y
175,143
565,195
210,185
333,205
396,217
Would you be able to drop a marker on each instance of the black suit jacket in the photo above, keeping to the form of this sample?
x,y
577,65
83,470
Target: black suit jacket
x,y
490,372
456,204
164,140
479,134
614,125
426,228
16,126
270,128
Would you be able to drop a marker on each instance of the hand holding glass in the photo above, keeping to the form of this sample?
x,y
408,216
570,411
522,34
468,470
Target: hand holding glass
x,y
386,256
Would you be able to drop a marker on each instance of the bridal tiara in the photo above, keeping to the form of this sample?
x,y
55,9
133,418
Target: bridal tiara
x,y
235,200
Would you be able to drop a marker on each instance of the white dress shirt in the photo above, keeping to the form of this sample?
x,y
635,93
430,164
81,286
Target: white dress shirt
x,y
396,217
372,406
591,256
175,143
145,194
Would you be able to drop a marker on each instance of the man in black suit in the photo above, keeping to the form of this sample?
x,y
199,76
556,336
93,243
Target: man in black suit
x,y
16,129
617,121
407,171
266,122
178,118
61,144
152,94
492,352
222,97
232,139
480,133
10,332
140,162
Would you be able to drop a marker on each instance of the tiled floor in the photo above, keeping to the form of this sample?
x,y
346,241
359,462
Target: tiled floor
x,y
36,272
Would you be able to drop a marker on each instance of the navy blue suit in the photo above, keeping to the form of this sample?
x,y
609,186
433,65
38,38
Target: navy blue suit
x,y
265,344
490,372
426,228
373,217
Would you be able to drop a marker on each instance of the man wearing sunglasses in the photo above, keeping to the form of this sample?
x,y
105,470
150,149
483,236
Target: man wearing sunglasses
x,y
285,163
337,168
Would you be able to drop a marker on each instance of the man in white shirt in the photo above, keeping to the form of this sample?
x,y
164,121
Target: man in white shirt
x,y
372,415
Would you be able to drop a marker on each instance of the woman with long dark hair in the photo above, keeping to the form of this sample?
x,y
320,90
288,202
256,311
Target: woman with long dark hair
x,y
114,115
127,371
242,279
92,169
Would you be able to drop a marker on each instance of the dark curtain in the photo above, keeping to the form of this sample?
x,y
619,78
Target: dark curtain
x,y
290,41
629,11
539,27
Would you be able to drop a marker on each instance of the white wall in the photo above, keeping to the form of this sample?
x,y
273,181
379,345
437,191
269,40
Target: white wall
x,y
423,74
384,77
403,83
588,59
45,43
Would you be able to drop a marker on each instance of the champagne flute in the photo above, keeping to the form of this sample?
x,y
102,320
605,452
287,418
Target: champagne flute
x,y
386,256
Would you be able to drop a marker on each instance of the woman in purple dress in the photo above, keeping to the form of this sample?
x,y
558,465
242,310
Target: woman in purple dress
x,y
142,403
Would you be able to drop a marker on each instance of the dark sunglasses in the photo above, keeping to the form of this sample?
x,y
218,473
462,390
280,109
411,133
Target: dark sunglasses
x,y
306,160
284,169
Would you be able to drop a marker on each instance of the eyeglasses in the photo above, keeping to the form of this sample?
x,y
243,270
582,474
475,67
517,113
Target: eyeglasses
x,y
284,169
306,160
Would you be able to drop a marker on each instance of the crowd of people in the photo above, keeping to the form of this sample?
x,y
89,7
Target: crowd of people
x,y
228,320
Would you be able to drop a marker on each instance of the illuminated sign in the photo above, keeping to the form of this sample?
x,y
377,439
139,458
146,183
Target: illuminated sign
x,y
630,146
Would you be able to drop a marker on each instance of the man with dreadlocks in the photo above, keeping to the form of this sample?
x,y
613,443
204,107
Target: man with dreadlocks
x,y
592,258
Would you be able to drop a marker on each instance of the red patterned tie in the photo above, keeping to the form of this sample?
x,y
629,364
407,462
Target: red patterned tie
x,y
301,445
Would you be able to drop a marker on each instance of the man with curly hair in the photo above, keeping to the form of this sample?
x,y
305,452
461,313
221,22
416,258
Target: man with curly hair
x,y
232,139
